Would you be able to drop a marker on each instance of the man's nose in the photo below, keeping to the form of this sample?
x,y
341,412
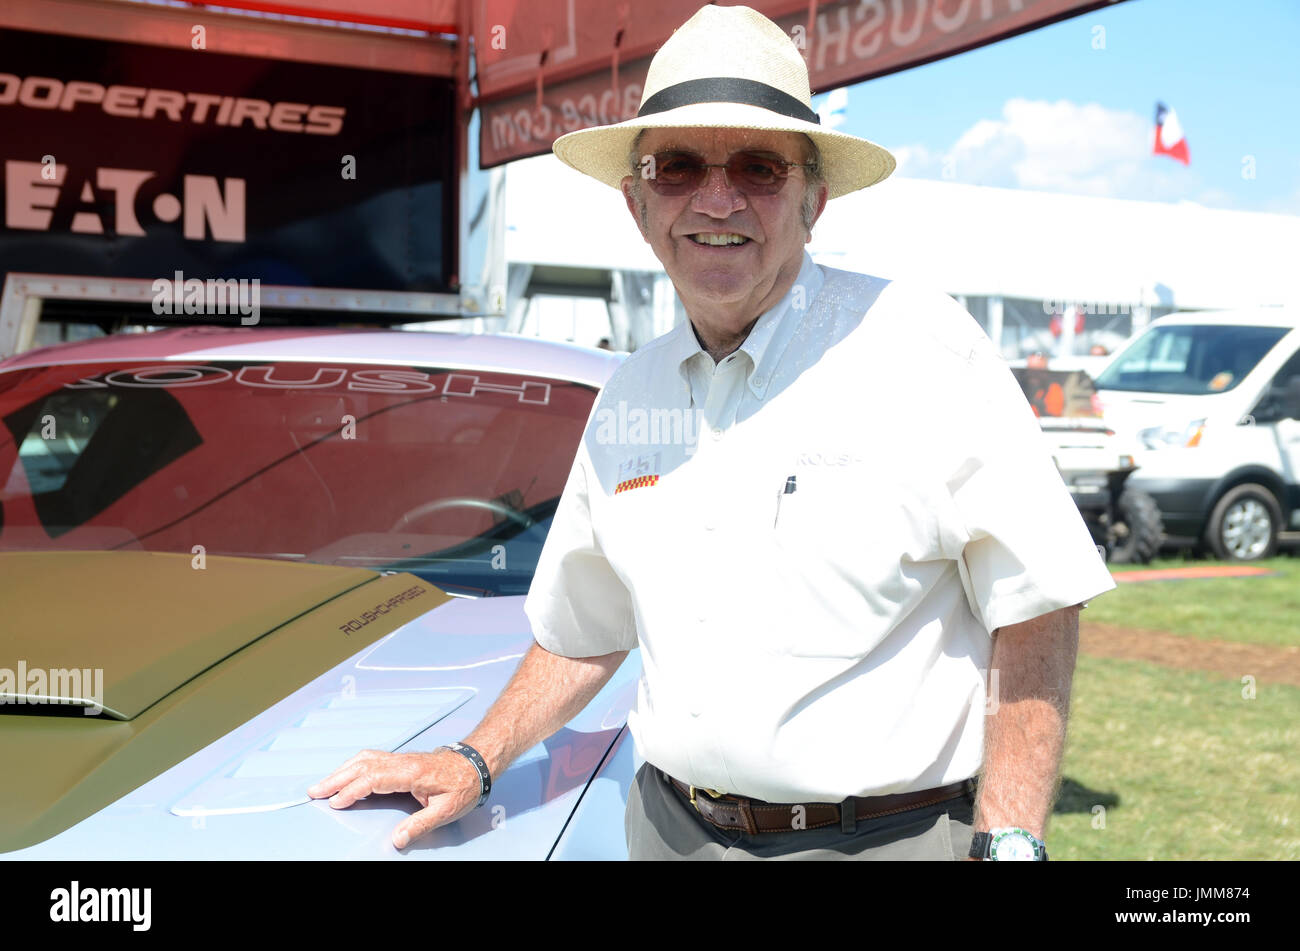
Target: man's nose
x,y
716,196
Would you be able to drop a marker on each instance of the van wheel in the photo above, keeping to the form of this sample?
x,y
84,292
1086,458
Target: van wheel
x,y
1139,532
1244,524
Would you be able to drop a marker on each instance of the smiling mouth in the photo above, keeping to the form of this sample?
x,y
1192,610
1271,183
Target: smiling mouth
x,y
719,240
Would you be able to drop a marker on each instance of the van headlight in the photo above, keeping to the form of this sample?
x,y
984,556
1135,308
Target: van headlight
x,y
1173,437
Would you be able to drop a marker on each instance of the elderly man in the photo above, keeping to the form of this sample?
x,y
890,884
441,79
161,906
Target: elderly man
x,y
851,568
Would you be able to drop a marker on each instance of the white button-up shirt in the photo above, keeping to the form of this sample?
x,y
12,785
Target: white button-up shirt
x,y
812,542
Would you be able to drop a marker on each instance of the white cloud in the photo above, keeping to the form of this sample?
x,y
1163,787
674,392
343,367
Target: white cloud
x,y
1284,204
916,161
1056,146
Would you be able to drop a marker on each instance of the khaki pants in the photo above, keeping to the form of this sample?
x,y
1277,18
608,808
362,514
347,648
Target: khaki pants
x,y
661,824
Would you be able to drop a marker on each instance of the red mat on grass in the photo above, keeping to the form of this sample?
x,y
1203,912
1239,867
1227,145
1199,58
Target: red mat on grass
x,y
1182,574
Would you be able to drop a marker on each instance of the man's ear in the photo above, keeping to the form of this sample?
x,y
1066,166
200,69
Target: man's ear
x,y
628,197
823,195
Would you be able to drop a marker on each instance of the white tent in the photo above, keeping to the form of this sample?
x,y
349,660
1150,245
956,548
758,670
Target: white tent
x,y
1012,256
972,239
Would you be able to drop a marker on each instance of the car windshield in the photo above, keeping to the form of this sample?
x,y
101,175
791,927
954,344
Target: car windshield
x,y
1189,359
450,474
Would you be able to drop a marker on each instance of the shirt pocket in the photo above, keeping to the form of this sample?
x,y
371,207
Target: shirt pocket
x,y
831,508
845,539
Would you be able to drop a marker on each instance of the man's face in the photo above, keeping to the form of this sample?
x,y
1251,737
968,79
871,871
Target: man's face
x,y
739,280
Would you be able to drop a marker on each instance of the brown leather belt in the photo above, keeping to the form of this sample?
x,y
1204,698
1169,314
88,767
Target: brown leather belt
x,y
755,815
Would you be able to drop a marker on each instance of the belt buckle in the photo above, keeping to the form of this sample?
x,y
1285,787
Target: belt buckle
x,y
712,792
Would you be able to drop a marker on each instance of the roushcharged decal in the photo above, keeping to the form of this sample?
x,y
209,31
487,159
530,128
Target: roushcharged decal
x,y
355,624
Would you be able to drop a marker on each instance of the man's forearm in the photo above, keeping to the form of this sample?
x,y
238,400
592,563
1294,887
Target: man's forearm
x,y
545,693
1025,736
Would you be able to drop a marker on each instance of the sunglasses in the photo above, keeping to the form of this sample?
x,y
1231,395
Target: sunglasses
x,y
674,172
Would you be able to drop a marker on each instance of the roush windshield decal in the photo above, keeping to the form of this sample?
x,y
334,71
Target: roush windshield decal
x,y
171,376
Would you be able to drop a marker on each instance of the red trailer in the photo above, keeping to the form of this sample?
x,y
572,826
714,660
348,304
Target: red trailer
x,y
308,161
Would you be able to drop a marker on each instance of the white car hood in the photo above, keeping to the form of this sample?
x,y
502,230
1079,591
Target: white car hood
x,y
242,797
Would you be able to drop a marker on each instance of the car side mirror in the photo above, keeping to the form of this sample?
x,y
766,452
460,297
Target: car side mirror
x,y
1279,402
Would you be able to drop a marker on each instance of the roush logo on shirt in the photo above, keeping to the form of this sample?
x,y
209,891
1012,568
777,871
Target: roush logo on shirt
x,y
829,459
638,472
640,482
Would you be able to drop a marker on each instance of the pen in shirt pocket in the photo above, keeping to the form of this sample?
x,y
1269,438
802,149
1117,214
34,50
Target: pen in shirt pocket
x,y
789,488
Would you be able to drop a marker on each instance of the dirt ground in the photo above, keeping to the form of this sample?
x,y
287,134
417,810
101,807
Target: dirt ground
x,y
1266,663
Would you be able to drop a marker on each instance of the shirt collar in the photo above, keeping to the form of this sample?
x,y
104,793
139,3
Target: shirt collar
x,y
769,335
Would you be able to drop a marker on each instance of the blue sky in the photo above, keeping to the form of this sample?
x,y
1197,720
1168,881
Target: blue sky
x,y
1047,110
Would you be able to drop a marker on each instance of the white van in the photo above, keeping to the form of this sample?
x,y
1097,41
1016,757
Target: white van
x,y
1214,401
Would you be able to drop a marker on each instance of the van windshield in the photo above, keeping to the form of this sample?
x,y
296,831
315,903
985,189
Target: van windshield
x,y
1190,359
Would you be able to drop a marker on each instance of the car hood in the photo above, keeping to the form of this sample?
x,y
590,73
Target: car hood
x,y
1129,412
172,617
170,650
227,690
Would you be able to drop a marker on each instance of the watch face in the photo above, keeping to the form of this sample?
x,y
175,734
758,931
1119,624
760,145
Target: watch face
x,y
1012,846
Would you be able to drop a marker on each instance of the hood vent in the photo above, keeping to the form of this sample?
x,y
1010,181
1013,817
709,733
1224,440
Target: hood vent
x,y
275,772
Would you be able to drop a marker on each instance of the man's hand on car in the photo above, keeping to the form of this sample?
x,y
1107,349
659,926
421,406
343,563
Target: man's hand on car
x,y
445,784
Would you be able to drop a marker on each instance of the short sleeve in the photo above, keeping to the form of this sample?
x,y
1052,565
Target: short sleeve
x,y
1027,551
577,605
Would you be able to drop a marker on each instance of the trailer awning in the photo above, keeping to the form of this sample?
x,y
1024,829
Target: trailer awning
x,y
547,67
431,16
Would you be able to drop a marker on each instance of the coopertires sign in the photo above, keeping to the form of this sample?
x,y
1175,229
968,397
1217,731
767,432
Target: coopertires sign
x,y
127,160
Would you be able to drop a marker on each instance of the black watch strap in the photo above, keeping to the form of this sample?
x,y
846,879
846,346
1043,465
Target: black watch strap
x,y
484,777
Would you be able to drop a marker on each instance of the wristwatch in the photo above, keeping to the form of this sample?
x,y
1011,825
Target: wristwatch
x,y
1008,844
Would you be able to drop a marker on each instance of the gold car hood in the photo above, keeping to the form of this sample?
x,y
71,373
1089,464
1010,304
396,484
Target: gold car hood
x,y
149,621
186,655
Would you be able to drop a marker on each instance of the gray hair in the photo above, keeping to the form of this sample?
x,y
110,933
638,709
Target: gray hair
x,y
814,178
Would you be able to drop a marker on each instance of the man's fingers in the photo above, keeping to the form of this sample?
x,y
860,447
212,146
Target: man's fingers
x,y
374,773
341,776
334,781
426,820
359,788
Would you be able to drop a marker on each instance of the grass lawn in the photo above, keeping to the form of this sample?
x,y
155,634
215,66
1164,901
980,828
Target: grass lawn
x,y
1262,610
1185,767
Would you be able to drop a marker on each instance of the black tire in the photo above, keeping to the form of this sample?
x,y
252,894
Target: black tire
x,y
1244,523
1140,530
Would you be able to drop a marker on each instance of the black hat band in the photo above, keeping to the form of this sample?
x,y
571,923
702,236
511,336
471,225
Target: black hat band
x,y
748,92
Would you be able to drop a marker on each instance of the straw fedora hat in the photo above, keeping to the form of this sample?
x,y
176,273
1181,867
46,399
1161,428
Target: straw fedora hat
x,y
728,67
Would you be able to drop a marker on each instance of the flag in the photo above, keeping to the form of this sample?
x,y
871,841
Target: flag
x,y
1169,135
